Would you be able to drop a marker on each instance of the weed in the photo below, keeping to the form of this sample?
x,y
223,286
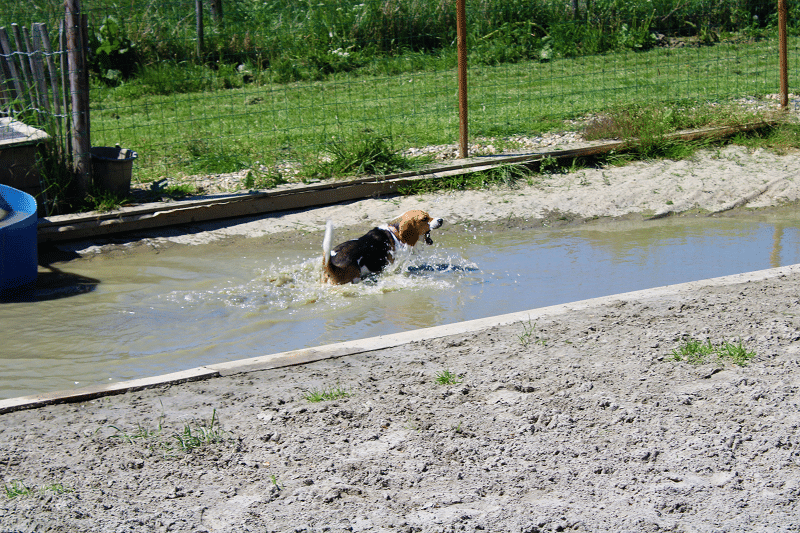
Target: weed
x,y
211,433
697,352
737,353
16,489
275,483
256,179
445,377
160,189
548,164
647,127
321,395
187,440
58,488
99,199
505,175
369,153
526,337
693,351
141,433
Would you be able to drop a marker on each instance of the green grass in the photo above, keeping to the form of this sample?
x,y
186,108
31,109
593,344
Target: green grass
x,y
231,129
303,40
697,352
366,153
504,175
17,489
336,392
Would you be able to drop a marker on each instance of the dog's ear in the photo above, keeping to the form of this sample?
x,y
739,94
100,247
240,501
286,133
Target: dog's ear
x,y
408,231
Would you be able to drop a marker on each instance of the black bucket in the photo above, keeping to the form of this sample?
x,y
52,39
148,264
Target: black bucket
x,y
112,168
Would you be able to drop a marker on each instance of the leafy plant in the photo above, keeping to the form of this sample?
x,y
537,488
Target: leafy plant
x,y
255,179
114,53
102,200
445,377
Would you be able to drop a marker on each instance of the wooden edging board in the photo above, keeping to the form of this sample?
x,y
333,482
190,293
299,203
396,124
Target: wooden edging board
x,y
193,210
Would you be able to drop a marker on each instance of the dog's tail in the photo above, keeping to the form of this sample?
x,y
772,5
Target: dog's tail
x,y
326,244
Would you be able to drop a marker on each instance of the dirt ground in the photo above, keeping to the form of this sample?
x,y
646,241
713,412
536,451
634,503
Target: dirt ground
x,y
577,419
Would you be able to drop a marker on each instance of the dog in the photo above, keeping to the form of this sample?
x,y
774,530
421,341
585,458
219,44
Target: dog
x,y
356,259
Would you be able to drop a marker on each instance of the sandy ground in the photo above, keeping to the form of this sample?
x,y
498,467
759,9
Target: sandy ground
x,y
578,419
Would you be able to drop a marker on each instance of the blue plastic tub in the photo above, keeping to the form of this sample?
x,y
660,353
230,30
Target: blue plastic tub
x,y
18,240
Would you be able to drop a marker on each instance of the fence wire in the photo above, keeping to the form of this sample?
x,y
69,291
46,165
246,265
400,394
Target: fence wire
x,y
278,86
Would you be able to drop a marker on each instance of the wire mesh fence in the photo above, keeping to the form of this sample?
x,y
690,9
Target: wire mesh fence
x,y
221,86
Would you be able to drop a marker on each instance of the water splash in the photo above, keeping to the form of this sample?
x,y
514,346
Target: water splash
x,y
286,285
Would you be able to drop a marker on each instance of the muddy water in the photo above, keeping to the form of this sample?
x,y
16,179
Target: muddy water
x,y
129,316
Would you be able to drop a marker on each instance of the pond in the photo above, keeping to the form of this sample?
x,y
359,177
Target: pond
x,y
142,314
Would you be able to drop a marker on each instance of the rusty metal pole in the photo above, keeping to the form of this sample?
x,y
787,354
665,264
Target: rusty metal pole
x,y
461,31
783,53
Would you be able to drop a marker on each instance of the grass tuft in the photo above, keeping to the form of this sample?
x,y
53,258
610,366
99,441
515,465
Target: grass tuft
x,y
366,154
696,352
17,489
502,176
321,395
527,335
204,434
186,440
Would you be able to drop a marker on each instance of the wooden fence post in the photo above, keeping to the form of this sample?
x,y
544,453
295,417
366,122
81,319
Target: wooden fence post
x,y
198,7
76,27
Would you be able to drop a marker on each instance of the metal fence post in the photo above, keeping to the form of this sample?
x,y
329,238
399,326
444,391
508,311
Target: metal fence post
x,y
461,32
783,53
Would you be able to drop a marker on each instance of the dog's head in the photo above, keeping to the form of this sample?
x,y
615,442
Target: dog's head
x,y
414,224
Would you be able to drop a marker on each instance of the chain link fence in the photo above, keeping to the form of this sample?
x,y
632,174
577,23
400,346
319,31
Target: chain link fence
x,y
221,86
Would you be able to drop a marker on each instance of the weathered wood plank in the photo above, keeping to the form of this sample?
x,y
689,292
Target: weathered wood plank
x,y
37,69
29,95
14,85
42,37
